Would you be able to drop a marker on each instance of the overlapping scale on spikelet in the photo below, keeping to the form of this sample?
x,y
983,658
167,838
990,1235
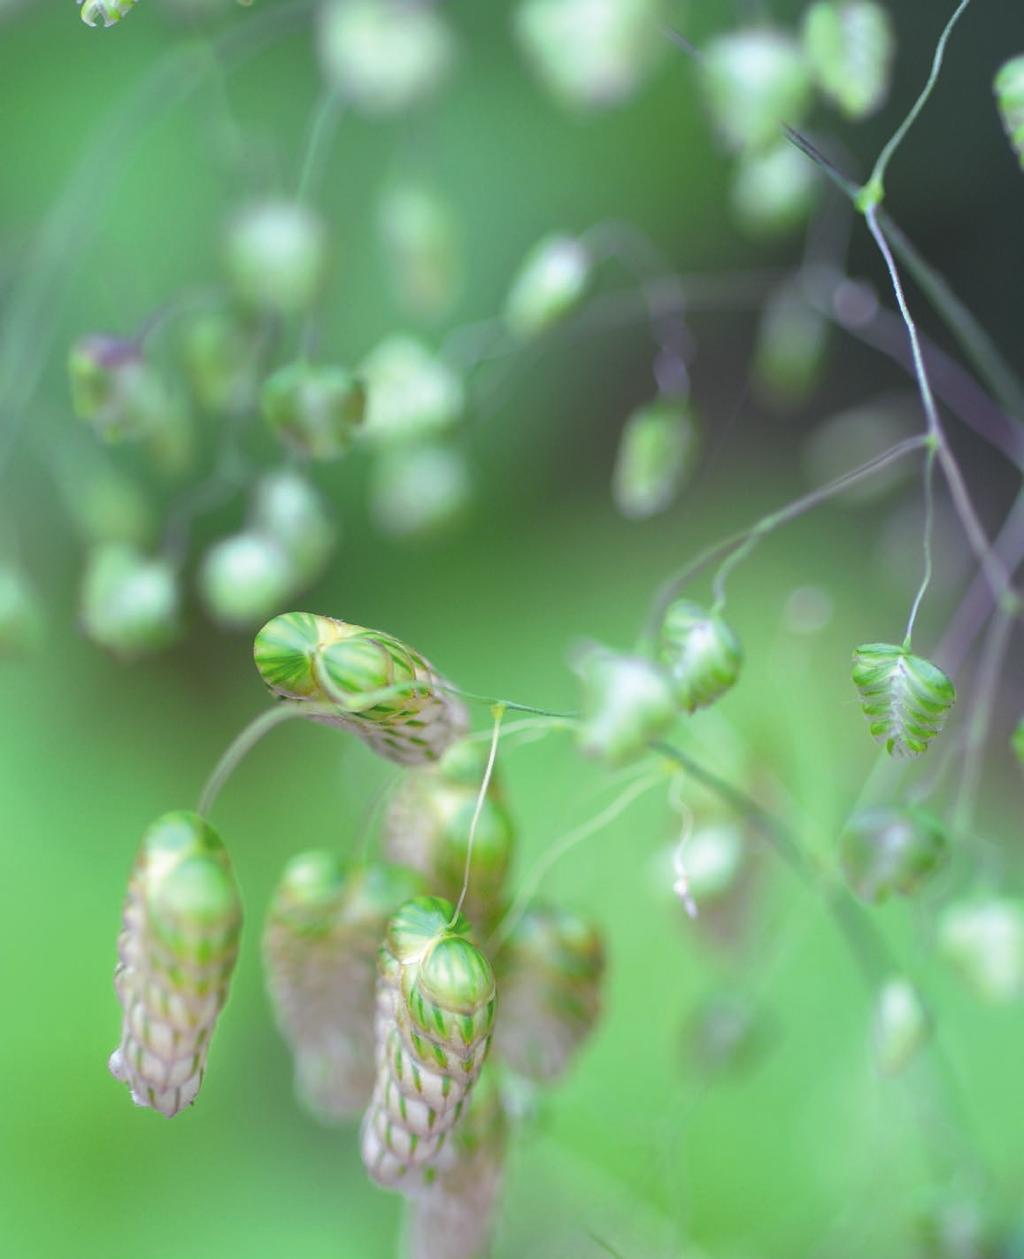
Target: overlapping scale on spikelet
x,y
453,1217
378,688
320,955
176,952
428,823
905,698
551,971
435,1012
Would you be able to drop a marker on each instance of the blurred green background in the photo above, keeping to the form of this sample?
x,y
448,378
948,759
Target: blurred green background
x,y
806,1152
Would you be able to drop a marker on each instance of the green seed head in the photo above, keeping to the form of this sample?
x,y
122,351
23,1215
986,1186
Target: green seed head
x,y
1009,90
656,455
420,492
754,81
285,650
287,507
591,56
177,952
244,578
130,602
627,702
550,977
984,940
413,395
774,192
849,45
116,391
384,56
889,851
219,355
105,12
901,1026
789,356
701,652
275,254
315,410
550,284
905,698
418,233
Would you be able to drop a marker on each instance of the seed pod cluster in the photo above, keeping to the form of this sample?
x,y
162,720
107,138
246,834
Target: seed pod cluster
x,y
176,953
320,956
428,825
905,698
550,972
376,686
435,1013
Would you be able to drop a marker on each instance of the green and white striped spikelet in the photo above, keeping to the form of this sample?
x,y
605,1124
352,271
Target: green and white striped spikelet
x,y
105,12
849,46
435,1014
177,950
453,1217
1009,89
379,689
551,973
701,652
320,947
428,824
905,698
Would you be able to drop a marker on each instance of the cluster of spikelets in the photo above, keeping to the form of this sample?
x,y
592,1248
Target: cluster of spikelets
x,y
396,1006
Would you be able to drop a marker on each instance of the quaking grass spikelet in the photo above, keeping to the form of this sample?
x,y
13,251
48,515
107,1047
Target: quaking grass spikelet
x,y
435,1012
380,689
320,955
905,698
176,952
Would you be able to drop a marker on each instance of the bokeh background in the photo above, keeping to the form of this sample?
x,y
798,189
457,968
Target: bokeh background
x,y
800,1150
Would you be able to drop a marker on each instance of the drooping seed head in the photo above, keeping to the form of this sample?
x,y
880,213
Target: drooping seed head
x,y
177,951
413,396
105,12
754,81
288,508
849,45
244,578
774,192
1009,90
900,1026
905,698
384,56
418,232
320,948
984,940
656,455
889,851
130,602
627,701
701,653
315,410
550,284
591,54
275,255
420,492
550,974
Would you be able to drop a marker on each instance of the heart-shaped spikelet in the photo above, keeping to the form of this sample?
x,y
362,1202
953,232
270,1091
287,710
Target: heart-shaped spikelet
x,y
905,698
435,1012
176,952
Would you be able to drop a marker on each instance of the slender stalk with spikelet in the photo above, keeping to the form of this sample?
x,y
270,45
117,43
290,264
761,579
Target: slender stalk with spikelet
x,y
177,951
